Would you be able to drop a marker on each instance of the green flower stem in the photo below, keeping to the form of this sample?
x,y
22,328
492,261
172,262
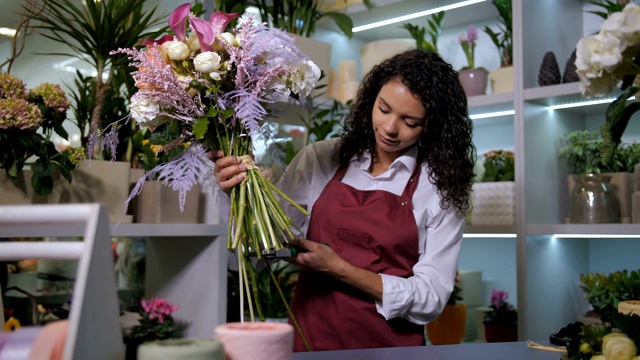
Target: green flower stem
x,y
258,222
242,205
263,207
254,287
284,300
243,270
284,196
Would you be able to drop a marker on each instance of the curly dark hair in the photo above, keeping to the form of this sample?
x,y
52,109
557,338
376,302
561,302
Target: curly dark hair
x,y
446,144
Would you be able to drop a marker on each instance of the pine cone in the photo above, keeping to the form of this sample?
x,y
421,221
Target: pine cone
x,y
570,74
549,70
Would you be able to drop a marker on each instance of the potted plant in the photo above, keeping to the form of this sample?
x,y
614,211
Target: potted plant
x,y
494,195
502,78
418,32
501,323
154,321
91,31
449,326
28,119
582,151
605,291
474,79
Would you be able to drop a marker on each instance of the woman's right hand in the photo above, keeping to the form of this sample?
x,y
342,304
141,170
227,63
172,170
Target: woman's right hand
x,y
229,170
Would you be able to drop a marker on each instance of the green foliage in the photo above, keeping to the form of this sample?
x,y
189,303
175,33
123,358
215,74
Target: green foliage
x,y
300,16
272,303
91,30
418,32
503,39
605,291
582,149
608,6
152,329
499,165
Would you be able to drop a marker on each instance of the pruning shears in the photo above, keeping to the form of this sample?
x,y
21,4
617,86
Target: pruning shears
x,y
269,256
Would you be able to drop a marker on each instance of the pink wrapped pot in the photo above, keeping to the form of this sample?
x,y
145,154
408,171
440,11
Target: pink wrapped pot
x,y
256,340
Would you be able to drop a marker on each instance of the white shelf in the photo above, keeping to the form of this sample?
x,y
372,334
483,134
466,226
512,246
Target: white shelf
x,y
583,229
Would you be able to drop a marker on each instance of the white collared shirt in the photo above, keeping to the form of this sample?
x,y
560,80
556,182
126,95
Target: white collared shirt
x,y
419,298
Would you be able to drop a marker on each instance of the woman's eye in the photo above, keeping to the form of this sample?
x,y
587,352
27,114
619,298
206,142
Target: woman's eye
x,y
384,111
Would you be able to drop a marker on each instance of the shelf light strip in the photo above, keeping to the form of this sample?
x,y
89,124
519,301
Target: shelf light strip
x,y
595,236
492,114
415,15
585,103
8,31
480,235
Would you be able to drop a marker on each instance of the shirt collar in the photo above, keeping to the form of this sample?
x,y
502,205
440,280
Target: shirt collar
x,y
408,160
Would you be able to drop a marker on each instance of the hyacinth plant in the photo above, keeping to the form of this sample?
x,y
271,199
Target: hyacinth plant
x,y
468,44
28,119
211,89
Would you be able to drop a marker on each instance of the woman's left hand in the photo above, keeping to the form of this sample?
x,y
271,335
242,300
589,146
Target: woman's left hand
x,y
320,258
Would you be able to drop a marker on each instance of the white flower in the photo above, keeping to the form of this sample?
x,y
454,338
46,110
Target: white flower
x,y
185,80
176,50
193,43
306,78
207,62
618,346
229,38
145,113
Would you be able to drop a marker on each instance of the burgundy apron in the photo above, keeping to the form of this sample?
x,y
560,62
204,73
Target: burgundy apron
x,y
374,230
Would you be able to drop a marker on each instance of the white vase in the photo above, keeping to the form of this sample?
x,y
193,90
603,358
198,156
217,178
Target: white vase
x,y
501,79
494,203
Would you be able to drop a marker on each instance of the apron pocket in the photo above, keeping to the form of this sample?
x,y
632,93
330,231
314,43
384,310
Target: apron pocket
x,y
355,247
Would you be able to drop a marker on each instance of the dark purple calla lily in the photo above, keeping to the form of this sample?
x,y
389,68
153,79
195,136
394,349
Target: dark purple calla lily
x,y
178,20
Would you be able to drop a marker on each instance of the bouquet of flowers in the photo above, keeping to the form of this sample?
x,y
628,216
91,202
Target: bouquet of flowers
x,y
609,58
211,89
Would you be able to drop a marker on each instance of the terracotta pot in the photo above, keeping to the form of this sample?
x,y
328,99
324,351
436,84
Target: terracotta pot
x,y
501,333
474,81
449,326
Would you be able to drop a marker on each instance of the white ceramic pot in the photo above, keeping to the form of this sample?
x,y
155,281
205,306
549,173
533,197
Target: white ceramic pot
x,y
256,340
494,203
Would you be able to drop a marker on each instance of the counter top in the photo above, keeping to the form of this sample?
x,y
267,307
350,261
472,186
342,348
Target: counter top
x,y
465,351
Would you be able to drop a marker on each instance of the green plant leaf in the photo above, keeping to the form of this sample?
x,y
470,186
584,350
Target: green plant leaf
x,y
343,21
200,126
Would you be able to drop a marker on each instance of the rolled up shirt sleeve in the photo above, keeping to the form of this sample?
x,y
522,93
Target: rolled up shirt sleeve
x,y
421,297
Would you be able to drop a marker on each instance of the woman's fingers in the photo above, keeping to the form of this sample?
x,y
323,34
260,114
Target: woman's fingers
x,y
229,172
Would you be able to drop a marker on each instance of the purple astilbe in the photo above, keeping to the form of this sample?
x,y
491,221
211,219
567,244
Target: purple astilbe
x,y
248,109
190,168
158,83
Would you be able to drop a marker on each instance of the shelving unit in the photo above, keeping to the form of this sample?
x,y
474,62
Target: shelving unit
x,y
544,268
185,264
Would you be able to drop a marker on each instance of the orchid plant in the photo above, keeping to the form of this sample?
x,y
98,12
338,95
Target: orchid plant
x,y
211,89
502,312
609,58
468,43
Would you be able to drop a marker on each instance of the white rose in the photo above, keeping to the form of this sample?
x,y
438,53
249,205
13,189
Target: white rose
x,y
608,54
228,38
176,50
278,91
145,113
207,62
193,43
185,80
618,346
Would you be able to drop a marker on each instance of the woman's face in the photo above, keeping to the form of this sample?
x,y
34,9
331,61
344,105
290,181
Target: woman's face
x,y
399,119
